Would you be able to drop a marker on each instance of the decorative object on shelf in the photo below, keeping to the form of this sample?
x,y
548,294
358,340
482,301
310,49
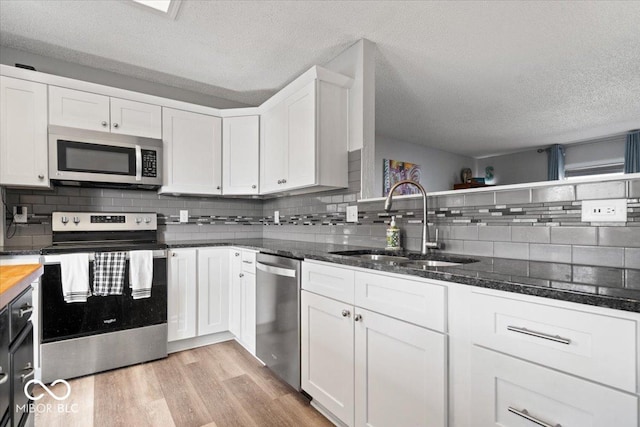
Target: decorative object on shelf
x,y
465,175
394,171
393,236
488,173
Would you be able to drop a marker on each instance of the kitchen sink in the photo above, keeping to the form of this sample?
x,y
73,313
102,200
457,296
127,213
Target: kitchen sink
x,y
387,259
406,259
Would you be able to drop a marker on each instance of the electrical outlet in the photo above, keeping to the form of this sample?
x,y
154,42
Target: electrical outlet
x,y
352,213
20,214
184,216
276,217
612,210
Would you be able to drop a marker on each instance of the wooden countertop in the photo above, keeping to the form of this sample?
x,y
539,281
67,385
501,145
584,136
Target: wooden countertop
x,y
16,278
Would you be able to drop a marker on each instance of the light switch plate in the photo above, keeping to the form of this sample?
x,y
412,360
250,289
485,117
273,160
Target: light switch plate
x,y
352,213
276,217
184,216
611,210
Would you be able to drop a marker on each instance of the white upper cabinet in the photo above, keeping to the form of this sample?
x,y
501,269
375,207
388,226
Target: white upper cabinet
x,y
192,153
240,155
84,110
23,133
304,140
136,118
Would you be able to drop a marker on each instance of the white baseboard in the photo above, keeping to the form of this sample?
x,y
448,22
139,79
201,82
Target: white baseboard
x,y
328,415
190,343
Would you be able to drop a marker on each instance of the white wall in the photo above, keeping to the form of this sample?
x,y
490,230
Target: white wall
x,y
515,168
440,169
9,56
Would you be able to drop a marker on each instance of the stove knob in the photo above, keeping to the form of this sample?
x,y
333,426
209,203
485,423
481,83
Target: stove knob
x,y
64,219
138,220
76,220
147,220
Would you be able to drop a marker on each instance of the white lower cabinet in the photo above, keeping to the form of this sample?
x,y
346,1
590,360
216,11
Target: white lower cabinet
x,y
198,292
328,354
242,311
367,368
181,294
508,392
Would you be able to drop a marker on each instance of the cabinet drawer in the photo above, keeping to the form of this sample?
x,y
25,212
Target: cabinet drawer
x,y
20,310
421,303
597,347
505,391
332,282
249,262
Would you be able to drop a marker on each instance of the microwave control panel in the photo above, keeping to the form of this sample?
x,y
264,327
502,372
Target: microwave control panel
x,y
149,163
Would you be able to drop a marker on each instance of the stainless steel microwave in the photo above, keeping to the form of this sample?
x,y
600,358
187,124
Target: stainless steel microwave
x,y
89,158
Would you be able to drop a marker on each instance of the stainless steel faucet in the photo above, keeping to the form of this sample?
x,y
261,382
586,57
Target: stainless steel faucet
x,y
426,243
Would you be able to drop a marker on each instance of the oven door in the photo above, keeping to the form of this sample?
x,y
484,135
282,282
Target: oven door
x,y
100,314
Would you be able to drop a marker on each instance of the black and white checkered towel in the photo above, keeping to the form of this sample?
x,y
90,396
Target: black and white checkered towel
x,y
108,273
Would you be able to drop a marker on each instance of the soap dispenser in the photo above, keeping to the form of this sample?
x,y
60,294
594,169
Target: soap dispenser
x,y
393,236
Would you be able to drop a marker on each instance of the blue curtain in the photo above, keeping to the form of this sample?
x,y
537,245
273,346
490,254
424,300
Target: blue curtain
x,y
632,152
555,162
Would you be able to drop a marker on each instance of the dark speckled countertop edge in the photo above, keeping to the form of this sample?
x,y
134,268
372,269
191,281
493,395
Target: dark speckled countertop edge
x,y
321,252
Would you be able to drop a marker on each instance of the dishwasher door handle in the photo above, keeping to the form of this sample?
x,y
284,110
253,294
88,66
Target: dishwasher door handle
x,y
273,269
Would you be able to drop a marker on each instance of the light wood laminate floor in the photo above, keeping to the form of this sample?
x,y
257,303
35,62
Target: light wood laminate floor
x,y
217,385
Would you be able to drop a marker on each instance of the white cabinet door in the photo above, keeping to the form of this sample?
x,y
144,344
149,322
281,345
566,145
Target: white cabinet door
x,y
213,290
273,149
77,109
240,155
136,118
235,293
192,153
328,354
400,373
23,133
181,295
248,321
509,392
301,133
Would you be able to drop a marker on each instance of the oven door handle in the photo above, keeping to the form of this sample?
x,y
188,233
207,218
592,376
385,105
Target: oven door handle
x,y
274,269
55,259
138,163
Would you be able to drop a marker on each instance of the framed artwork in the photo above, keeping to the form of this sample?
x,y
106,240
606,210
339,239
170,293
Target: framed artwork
x,y
394,171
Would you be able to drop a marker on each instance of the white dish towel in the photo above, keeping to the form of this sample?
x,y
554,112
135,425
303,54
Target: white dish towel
x,y
140,273
74,269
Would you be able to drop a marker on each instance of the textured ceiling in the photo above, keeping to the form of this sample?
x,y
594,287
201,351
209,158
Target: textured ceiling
x,y
475,78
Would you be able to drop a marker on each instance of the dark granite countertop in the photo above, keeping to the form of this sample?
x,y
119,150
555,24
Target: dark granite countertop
x,y
610,287
19,250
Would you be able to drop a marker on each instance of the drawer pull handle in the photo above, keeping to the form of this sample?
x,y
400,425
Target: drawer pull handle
x,y
4,378
525,414
555,338
25,309
247,262
29,373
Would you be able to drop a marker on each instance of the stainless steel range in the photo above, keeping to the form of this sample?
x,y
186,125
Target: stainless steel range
x,y
105,332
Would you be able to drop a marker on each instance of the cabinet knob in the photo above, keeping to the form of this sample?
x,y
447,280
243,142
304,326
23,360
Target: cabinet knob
x,y
104,124
357,317
346,313
241,274
284,181
237,253
3,377
115,125
218,187
279,181
41,176
174,254
254,186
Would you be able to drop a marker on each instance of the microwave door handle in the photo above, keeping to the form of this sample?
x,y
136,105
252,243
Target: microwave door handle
x,y
138,163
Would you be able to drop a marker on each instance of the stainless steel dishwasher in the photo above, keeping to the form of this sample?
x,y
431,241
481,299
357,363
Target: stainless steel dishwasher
x,y
278,316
